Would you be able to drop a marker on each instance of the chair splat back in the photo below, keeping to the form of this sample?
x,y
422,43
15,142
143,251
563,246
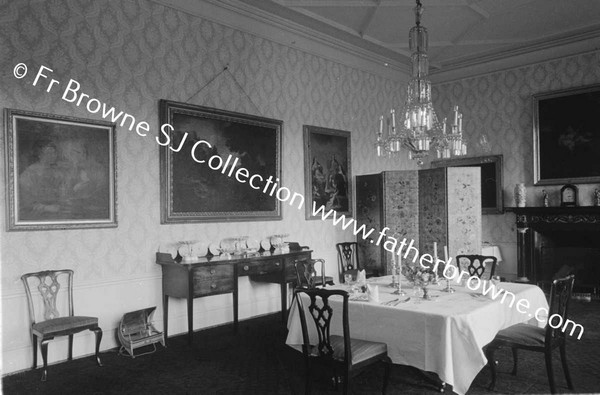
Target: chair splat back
x,y
48,287
560,295
477,264
322,314
306,273
322,317
348,255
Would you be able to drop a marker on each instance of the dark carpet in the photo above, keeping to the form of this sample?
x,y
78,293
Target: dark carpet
x,y
256,361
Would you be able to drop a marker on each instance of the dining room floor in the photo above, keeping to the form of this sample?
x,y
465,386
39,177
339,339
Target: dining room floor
x,y
256,361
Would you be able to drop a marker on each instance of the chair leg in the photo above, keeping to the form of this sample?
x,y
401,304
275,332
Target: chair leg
x,y
563,358
98,332
346,384
548,355
515,354
386,375
70,348
307,378
35,347
44,347
489,354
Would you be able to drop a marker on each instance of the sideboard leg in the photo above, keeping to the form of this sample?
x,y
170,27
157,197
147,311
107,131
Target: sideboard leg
x,y
166,316
190,314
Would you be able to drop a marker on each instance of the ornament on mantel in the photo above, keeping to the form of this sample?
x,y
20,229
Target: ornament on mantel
x,y
545,198
520,195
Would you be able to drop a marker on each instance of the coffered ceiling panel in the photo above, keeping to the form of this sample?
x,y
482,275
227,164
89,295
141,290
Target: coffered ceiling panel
x,y
461,32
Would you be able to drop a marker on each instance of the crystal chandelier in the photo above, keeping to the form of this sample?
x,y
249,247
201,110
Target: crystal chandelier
x,y
420,131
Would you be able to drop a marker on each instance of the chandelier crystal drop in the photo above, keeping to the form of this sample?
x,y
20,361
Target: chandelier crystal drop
x,y
419,129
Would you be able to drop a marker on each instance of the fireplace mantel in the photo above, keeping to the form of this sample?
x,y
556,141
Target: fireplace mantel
x,y
533,221
578,218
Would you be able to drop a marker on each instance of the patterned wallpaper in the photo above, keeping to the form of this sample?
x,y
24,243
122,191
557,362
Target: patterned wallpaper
x,y
130,54
499,106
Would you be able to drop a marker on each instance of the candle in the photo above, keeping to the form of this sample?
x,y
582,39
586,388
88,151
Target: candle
x,y
435,251
460,123
455,115
444,130
393,118
381,125
446,253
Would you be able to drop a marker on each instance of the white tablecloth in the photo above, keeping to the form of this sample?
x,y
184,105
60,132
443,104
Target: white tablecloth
x,y
445,335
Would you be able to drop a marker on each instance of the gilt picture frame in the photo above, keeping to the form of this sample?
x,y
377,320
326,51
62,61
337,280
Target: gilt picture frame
x,y
202,150
60,172
566,137
327,171
492,201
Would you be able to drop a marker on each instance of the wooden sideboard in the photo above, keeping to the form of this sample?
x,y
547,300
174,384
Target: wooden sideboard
x,y
215,275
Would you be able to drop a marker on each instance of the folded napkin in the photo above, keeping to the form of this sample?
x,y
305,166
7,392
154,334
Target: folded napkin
x,y
361,277
373,293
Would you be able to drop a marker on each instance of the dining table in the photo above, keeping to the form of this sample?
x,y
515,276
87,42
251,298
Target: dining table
x,y
444,334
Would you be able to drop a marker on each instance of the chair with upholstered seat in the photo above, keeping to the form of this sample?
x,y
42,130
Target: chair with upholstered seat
x,y
477,264
533,338
306,273
53,291
342,353
348,260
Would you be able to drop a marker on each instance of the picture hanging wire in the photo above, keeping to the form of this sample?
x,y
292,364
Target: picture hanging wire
x,y
226,69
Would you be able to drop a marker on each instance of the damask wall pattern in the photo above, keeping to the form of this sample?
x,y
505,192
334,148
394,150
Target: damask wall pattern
x,y
129,54
499,106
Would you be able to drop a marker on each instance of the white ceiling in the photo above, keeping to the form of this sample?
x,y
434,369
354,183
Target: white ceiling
x,y
462,33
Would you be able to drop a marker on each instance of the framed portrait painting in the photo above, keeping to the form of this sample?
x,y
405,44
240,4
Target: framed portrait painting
x,y
327,171
566,136
218,165
60,172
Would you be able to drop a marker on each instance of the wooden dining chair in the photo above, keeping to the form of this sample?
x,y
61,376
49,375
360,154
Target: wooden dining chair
x,y
349,262
342,353
306,273
47,322
477,264
533,338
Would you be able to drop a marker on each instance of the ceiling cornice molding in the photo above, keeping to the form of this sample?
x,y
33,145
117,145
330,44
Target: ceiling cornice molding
x,y
586,40
249,19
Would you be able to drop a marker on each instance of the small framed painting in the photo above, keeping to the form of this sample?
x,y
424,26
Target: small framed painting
x,y
218,165
60,172
327,171
566,137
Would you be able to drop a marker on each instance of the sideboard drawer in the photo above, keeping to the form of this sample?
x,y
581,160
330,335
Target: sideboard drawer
x,y
213,279
260,267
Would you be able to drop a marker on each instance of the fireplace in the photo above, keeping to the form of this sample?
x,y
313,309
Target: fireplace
x,y
556,241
